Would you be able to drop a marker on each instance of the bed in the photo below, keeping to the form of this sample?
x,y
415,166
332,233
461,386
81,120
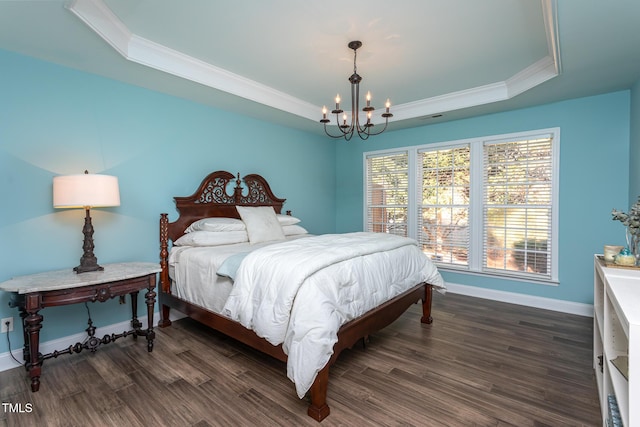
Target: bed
x,y
214,276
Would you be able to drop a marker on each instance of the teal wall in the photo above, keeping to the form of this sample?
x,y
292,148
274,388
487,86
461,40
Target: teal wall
x,y
634,152
594,171
55,120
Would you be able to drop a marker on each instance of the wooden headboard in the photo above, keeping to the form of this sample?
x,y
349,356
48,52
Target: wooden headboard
x,y
212,199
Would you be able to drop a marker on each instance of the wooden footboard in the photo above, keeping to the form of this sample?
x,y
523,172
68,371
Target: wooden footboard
x,y
211,200
353,331
348,335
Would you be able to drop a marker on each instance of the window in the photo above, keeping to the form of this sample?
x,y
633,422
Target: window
x,y
388,193
517,206
483,205
443,204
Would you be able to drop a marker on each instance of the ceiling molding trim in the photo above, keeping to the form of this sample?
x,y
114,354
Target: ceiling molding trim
x,y
522,81
452,101
550,15
159,57
137,49
97,16
531,76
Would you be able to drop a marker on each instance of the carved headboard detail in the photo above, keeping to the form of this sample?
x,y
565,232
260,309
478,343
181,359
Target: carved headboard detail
x,y
212,199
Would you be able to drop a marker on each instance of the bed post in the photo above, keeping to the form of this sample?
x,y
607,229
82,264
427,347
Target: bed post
x,y
165,282
426,304
318,409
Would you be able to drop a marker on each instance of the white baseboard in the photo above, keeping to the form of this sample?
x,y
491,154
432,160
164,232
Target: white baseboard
x,y
570,307
7,362
580,309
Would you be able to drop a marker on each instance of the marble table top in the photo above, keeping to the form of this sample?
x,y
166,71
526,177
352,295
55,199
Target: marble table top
x,y
66,279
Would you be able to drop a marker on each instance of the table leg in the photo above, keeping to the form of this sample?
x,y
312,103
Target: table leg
x,y
25,348
33,322
150,298
135,323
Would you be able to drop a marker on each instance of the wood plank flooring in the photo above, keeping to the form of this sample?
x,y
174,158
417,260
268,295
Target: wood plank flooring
x,y
481,363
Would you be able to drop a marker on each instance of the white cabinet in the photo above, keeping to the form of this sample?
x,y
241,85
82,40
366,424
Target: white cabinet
x,y
616,341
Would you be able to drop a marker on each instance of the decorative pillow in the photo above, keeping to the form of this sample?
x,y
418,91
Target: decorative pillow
x,y
216,224
209,238
291,230
287,219
262,223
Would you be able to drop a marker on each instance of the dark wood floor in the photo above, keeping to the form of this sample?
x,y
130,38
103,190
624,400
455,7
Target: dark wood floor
x,y
481,363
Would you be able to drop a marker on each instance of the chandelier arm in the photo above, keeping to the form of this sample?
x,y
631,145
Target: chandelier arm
x,y
344,128
386,122
348,136
333,136
344,131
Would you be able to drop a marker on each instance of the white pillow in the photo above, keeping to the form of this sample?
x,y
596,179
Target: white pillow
x,y
216,224
208,238
287,219
291,230
262,223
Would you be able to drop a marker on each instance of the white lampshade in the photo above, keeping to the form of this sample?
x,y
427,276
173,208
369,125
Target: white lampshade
x,y
85,190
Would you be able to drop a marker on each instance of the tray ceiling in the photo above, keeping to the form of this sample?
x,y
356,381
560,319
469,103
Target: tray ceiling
x,y
283,60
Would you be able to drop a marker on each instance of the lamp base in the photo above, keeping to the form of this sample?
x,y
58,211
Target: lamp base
x,y
87,268
88,262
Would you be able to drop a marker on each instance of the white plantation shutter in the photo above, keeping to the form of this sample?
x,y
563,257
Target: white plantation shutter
x,y
517,206
443,204
387,188
486,205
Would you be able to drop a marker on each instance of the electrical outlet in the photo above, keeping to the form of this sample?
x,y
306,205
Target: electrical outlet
x,y
7,325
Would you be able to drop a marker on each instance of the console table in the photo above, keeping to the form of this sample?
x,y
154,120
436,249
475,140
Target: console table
x,y
34,292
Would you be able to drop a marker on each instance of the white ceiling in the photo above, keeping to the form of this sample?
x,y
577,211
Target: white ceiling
x,y
282,60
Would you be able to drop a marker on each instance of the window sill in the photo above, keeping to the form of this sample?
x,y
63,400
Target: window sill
x,y
506,276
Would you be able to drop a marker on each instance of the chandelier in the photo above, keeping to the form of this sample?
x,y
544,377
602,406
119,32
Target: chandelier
x,y
348,130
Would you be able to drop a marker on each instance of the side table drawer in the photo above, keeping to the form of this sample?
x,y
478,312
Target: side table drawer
x,y
100,292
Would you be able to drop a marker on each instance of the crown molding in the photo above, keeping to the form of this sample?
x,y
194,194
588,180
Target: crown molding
x,y
532,76
97,16
550,15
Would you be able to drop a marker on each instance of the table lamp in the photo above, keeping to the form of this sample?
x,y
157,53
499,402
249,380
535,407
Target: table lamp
x,y
86,191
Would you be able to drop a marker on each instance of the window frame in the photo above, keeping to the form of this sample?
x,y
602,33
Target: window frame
x,y
476,250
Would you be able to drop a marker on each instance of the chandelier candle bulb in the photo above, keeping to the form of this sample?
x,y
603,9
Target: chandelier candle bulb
x,y
368,99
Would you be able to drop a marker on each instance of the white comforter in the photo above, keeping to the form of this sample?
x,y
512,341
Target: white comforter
x,y
299,293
